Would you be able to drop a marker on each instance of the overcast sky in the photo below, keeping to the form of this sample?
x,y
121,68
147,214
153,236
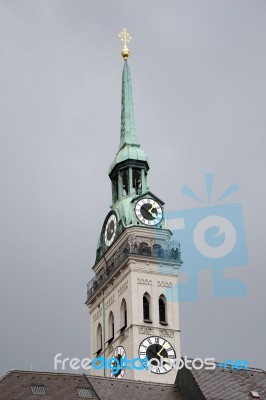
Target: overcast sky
x,y
198,71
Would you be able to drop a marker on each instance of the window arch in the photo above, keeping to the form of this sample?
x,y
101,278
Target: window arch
x,y
162,310
123,314
146,307
111,327
99,338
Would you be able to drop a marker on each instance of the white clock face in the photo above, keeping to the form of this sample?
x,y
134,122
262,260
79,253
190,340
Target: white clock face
x,y
110,230
149,212
119,370
157,348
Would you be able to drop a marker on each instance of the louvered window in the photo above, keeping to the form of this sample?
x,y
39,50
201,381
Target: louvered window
x,y
111,327
123,314
38,389
99,338
146,309
162,310
85,393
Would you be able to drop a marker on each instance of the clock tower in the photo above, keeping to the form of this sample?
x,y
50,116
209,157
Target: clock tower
x,y
131,299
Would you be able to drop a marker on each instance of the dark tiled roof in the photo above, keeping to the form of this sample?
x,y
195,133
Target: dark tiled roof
x,y
108,388
233,384
196,384
16,385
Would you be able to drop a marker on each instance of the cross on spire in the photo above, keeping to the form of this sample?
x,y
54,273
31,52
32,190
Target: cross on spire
x,y
125,38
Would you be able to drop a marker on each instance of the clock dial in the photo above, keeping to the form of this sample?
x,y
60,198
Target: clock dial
x,y
110,230
149,212
155,347
119,369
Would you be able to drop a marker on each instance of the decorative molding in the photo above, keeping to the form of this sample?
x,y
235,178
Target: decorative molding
x,y
164,284
144,282
146,331
124,336
166,333
122,288
109,301
97,314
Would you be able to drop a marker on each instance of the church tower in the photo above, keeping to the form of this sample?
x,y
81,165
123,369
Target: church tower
x,y
131,299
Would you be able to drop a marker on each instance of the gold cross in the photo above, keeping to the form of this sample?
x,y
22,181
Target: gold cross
x,y
125,38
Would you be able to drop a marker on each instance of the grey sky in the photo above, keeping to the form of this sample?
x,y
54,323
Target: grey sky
x,y
198,71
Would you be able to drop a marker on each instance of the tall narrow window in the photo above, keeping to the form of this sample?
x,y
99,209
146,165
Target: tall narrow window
x,y
162,310
123,315
146,308
111,327
137,181
99,338
125,183
115,189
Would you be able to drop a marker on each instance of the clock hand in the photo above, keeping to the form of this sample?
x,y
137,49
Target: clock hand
x,y
150,211
158,354
152,207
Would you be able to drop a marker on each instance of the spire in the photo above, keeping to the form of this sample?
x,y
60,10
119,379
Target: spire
x,y
128,130
129,148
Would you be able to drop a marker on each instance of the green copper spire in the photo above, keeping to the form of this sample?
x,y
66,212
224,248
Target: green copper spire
x,y
129,148
128,130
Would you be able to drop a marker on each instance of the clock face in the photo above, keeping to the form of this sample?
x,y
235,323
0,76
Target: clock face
x,y
155,347
110,230
118,369
149,212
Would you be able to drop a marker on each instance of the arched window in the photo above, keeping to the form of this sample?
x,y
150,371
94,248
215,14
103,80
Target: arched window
x,y
99,338
123,314
136,180
162,310
111,327
115,189
146,308
125,183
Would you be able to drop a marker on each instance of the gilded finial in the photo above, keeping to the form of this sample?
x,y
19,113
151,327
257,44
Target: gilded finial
x,y
125,38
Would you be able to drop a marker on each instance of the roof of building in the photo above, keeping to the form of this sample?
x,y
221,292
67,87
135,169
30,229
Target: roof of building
x,y
19,385
222,384
200,384
231,383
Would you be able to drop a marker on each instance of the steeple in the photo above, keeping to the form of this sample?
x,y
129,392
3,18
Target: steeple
x,y
128,130
128,171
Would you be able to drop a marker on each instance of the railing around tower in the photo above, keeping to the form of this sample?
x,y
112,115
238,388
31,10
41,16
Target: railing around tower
x,y
172,253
